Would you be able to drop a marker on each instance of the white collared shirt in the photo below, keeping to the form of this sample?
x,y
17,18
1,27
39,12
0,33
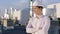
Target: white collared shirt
x,y
34,25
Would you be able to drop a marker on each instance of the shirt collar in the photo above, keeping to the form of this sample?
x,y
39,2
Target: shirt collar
x,y
39,16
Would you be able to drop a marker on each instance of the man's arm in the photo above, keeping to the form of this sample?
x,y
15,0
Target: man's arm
x,y
31,29
47,24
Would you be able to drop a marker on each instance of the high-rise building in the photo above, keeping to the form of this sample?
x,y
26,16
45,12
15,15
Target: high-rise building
x,y
17,14
6,15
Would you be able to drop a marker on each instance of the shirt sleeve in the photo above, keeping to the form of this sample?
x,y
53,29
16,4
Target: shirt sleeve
x,y
47,24
30,28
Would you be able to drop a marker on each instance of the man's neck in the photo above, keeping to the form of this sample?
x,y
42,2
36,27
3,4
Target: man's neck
x,y
37,16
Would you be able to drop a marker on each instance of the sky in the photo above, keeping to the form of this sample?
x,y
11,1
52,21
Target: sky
x,y
14,3
50,1
21,3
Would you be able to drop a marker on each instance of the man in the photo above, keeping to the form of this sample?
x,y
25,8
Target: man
x,y
40,23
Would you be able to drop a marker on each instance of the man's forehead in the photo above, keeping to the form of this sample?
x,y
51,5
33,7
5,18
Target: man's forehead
x,y
34,7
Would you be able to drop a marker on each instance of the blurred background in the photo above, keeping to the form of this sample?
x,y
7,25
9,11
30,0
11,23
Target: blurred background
x,y
15,14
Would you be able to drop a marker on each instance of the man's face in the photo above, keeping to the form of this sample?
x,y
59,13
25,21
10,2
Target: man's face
x,y
37,10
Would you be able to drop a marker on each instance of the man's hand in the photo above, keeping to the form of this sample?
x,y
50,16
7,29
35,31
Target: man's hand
x,y
30,26
40,28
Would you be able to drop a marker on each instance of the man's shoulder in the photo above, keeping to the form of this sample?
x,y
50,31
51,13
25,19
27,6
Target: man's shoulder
x,y
46,17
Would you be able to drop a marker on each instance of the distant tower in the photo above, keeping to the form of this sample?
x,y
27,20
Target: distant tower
x,y
44,11
6,14
11,10
15,9
31,8
6,11
11,14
